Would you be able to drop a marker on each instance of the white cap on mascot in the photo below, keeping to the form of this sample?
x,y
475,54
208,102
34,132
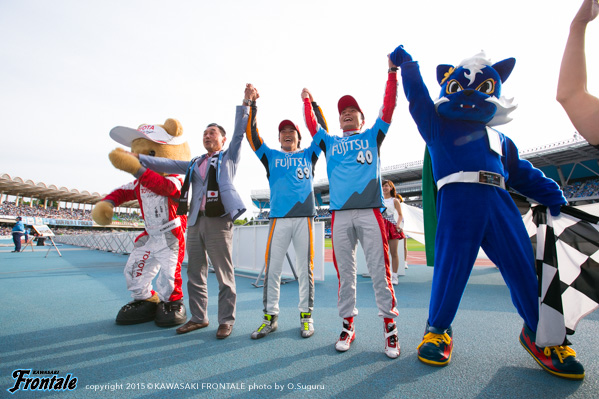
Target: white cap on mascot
x,y
126,135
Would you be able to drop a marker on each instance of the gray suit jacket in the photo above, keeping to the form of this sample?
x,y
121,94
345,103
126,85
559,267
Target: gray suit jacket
x,y
230,198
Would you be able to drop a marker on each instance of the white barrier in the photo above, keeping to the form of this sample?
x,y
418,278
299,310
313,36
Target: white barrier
x,y
249,246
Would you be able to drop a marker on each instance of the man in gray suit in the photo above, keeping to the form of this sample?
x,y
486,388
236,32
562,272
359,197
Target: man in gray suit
x,y
214,206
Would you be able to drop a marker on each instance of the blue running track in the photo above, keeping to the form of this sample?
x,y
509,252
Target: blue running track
x,y
57,314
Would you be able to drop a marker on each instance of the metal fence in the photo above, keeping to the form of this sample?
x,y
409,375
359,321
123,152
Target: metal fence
x,y
121,243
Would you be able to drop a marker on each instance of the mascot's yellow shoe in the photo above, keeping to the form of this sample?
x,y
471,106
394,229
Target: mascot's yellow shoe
x,y
558,360
436,346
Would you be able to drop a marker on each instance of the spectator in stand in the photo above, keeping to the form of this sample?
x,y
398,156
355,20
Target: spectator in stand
x,y
38,211
9,208
589,188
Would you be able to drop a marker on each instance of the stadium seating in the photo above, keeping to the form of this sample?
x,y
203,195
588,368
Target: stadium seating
x,y
582,189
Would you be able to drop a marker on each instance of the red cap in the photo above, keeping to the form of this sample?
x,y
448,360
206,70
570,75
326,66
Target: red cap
x,y
348,101
287,122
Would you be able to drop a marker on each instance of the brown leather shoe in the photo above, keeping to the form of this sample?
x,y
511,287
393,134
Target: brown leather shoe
x,y
224,330
191,326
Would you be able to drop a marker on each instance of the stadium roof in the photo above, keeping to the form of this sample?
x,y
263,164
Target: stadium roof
x,y
563,162
28,188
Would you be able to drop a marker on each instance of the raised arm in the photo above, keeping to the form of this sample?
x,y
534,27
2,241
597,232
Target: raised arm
x,y
309,115
241,121
422,107
251,131
320,119
582,107
390,98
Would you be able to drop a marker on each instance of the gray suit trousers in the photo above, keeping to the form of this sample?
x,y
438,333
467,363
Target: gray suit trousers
x,y
211,236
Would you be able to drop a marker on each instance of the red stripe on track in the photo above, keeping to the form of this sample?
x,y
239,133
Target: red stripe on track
x,y
414,258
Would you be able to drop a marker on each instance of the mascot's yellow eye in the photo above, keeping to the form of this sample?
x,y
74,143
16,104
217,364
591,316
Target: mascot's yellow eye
x,y
453,87
487,87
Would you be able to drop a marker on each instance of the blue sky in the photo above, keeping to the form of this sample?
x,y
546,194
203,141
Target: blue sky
x,y
72,70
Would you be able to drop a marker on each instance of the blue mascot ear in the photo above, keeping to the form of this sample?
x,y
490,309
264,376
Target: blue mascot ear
x,y
504,68
443,72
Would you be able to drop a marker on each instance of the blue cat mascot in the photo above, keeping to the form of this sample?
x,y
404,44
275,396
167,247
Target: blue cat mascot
x,y
472,166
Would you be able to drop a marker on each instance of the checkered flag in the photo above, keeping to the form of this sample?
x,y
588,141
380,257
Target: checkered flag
x,y
567,261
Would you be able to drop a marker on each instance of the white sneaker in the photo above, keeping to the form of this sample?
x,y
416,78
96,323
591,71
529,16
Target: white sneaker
x,y
406,265
394,279
348,334
391,341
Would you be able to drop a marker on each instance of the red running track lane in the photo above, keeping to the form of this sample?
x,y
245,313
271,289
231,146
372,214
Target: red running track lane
x,y
414,258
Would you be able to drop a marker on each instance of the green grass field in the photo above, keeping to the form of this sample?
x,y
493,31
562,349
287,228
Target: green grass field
x,y
413,245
